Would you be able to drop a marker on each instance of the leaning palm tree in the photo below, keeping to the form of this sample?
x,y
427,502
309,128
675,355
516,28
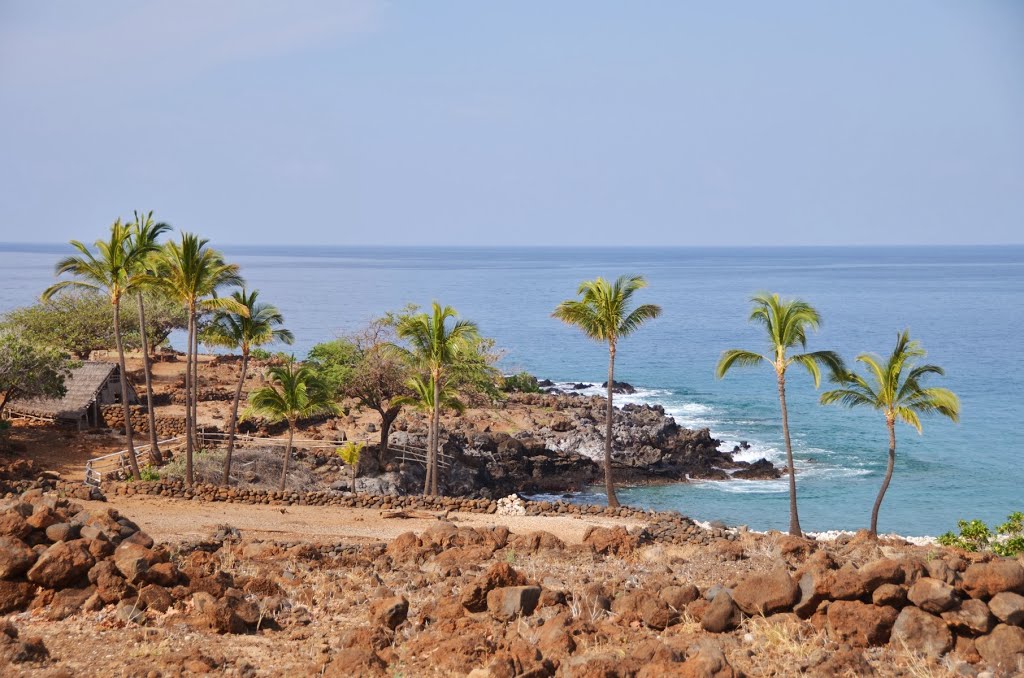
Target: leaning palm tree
x,y
426,394
435,345
258,326
145,233
193,273
895,388
604,314
108,269
292,392
787,323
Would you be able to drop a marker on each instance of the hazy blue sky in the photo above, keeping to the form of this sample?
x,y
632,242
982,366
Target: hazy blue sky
x,y
537,123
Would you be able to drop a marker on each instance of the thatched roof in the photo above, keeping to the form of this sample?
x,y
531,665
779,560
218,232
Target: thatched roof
x,y
83,385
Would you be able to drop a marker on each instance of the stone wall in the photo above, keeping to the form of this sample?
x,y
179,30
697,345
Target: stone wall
x,y
166,427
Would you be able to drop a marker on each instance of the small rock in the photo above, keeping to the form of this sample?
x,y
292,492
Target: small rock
x,y
509,602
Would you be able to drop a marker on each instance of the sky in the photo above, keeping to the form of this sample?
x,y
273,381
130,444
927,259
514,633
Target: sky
x,y
359,122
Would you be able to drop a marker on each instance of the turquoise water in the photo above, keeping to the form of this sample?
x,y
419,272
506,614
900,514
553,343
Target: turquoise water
x,y
965,304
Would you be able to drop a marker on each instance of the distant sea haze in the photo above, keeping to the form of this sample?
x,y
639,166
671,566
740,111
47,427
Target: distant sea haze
x,y
965,304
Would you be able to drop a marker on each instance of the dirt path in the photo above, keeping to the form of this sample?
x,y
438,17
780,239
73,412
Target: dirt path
x,y
169,520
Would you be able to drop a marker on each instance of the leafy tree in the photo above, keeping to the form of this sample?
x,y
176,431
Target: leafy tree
x,y
145,233
110,269
895,387
293,392
258,326
521,382
192,273
82,321
379,378
335,363
435,345
786,323
604,314
29,370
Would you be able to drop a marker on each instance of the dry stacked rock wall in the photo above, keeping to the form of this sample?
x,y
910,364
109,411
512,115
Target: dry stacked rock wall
x,y
166,427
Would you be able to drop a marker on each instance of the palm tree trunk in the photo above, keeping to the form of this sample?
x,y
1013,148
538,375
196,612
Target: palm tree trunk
x,y
124,391
387,418
794,518
287,454
154,444
234,415
195,385
609,485
430,446
888,476
437,437
189,438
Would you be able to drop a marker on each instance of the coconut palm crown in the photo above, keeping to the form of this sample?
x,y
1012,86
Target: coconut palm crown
x,y
895,387
258,326
109,269
787,323
292,392
603,312
193,273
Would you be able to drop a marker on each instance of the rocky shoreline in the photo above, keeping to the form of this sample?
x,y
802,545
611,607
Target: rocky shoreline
x,y
561,449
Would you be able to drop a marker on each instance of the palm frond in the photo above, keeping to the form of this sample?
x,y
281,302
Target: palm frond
x,y
737,357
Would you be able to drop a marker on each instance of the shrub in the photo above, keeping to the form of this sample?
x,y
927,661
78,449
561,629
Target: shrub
x,y
975,535
523,382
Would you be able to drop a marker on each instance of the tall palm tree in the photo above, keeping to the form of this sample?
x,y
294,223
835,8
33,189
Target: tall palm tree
x,y
259,326
109,270
426,394
145,233
603,313
895,388
435,345
787,323
292,392
193,273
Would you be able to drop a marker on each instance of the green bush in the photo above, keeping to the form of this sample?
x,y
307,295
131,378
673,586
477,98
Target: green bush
x,y
523,382
1006,540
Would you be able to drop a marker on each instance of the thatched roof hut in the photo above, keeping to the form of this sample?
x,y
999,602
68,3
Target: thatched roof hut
x,y
89,387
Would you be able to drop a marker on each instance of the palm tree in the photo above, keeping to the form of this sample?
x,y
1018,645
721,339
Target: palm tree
x,y
193,273
293,392
108,270
145,233
426,394
436,346
258,326
896,389
604,314
787,323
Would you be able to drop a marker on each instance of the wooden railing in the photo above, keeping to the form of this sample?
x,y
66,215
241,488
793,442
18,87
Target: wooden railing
x,y
118,464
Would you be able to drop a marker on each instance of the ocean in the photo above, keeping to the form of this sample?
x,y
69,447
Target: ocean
x,y
966,304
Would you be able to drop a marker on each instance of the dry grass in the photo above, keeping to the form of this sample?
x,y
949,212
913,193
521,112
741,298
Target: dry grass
x,y
781,647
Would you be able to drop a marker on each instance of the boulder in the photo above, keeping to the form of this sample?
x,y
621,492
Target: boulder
x,y
15,557
765,594
62,532
971,617
892,595
706,660
154,597
68,602
882,571
846,583
860,624
62,564
498,575
510,602
656,613
132,560
921,632
678,597
12,524
814,588
1003,649
932,595
1008,608
984,580
389,612
610,540
722,615
15,596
